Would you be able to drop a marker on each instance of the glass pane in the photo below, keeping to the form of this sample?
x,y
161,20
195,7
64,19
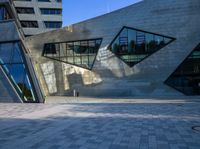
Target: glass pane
x,y
77,60
16,55
132,46
13,64
6,52
77,52
4,13
1,13
115,46
187,76
28,91
17,71
131,41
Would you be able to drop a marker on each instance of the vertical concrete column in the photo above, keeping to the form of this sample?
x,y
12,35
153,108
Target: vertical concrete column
x,y
59,78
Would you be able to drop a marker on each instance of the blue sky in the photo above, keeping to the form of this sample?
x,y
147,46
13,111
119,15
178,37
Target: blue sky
x,y
78,10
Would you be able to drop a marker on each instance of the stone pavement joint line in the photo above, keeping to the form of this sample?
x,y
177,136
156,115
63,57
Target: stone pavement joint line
x,y
101,124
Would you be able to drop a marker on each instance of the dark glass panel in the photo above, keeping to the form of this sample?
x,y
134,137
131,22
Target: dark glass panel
x,y
16,55
4,15
52,24
50,49
6,52
79,53
14,65
51,11
29,24
131,41
25,10
186,77
27,91
132,45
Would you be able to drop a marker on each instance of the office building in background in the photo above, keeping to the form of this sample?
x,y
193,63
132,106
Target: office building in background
x,y
37,16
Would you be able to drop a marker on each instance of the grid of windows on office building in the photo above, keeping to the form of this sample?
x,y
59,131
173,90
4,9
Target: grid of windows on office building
x,y
79,53
186,77
12,61
4,15
133,45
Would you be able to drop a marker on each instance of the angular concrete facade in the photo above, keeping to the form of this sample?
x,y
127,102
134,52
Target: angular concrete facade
x,y
56,62
110,76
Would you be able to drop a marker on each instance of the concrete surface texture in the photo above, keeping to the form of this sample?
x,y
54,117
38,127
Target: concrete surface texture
x,y
101,124
110,76
37,16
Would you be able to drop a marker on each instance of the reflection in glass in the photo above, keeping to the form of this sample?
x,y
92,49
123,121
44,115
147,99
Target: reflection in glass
x,y
4,14
186,78
132,45
79,53
12,61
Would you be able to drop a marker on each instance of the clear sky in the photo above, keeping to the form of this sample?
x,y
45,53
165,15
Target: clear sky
x,y
79,10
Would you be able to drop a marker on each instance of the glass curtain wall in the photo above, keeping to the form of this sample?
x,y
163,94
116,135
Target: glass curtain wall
x,y
13,62
133,45
186,77
80,53
4,15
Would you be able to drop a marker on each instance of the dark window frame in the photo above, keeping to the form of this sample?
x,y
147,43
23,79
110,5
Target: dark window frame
x,y
139,30
176,69
16,86
26,10
26,24
73,41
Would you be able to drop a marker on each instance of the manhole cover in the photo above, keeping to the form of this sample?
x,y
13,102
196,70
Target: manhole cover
x,y
196,128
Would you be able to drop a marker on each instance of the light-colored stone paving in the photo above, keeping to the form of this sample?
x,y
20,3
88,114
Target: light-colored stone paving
x,y
101,124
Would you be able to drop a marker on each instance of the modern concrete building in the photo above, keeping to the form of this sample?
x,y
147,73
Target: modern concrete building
x,y
37,16
149,49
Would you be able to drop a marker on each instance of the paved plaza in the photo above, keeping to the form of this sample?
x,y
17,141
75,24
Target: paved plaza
x,y
101,124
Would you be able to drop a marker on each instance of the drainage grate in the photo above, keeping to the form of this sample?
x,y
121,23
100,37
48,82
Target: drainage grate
x,y
196,128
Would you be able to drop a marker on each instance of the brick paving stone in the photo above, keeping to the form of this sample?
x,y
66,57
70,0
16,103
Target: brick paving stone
x,y
101,124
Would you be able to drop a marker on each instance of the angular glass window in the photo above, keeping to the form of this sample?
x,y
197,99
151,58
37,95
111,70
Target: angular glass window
x,y
80,53
186,77
133,45
13,63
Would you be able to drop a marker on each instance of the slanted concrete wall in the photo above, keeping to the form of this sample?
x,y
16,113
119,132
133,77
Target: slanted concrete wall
x,y
110,76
